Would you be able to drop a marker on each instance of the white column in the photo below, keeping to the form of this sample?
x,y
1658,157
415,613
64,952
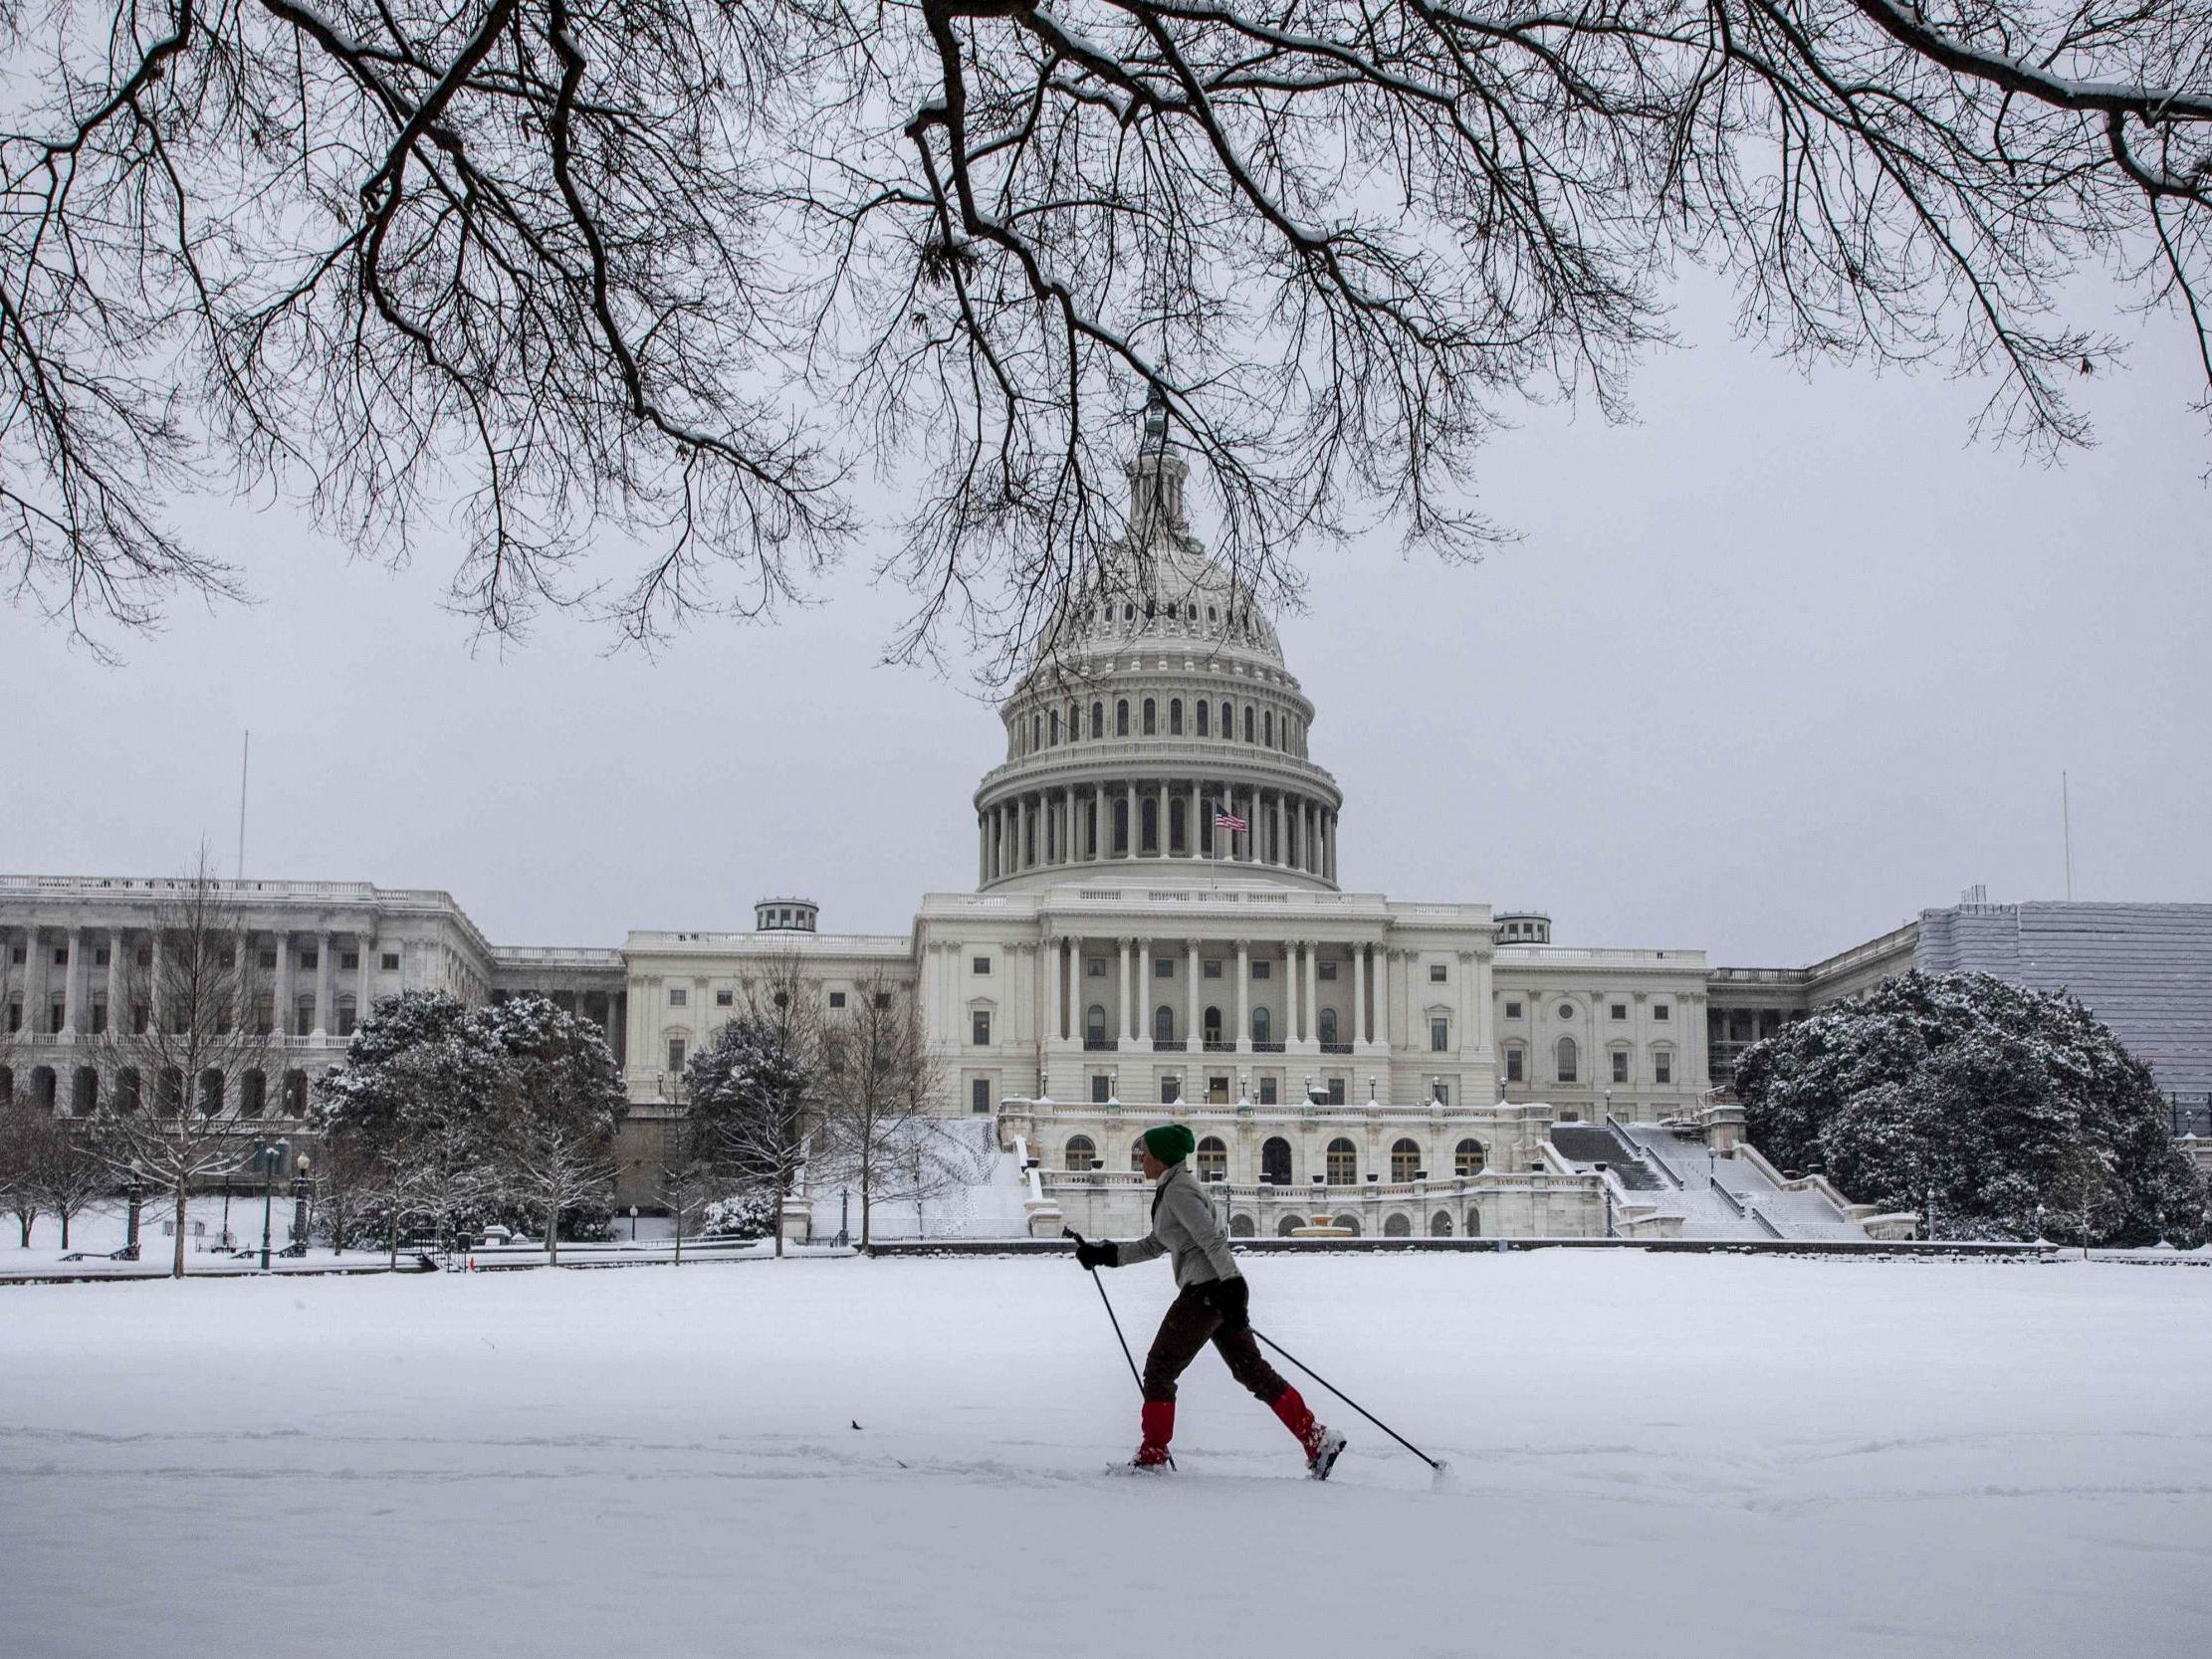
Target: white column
x,y
1312,1032
1126,1036
1362,1033
322,983
1382,957
1243,996
73,985
1196,837
1485,1003
34,984
117,1014
1277,854
366,983
1190,1033
1129,816
1144,989
283,984
1468,981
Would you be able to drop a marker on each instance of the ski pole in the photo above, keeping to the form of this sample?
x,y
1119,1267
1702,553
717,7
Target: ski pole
x,y
1071,1232
1350,1401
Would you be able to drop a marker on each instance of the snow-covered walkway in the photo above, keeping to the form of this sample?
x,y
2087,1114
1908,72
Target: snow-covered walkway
x,y
1750,1456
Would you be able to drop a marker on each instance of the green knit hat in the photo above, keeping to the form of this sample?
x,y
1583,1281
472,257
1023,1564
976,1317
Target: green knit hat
x,y
1170,1143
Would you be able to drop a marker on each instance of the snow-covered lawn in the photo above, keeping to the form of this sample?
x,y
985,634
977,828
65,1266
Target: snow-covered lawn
x,y
1657,1455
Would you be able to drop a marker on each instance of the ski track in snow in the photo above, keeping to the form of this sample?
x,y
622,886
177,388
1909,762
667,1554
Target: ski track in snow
x,y
1695,1456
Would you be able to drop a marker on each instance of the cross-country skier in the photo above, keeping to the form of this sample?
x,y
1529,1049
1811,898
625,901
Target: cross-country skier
x,y
1210,1303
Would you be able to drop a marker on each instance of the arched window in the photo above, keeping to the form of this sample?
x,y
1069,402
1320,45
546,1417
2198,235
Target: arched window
x,y
1468,1157
127,1090
6,1086
1175,717
1240,1226
83,1092
1074,722
1263,1026
1094,1026
1288,1226
1405,1159
253,1095
1163,1024
1080,1153
1121,826
1212,1159
1350,1224
1136,1155
1206,710
1248,723
1152,718
1121,717
1398,1226
1036,733
1439,1224
348,1016
1054,728
1152,824
1274,1162
1343,1162
1328,1025
42,1087
1213,1027
1474,1222
1098,719
1229,722
1268,728
211,1093
1567,1057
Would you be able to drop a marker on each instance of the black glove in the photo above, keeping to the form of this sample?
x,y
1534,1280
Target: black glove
x,y
1232,1299
1097,1253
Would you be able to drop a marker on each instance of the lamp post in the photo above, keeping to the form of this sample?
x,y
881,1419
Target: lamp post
x,y
633,1223
303,1199
269,1155
136,1191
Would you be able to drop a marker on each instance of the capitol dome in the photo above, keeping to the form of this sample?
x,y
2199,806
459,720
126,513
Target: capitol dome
x,y
1160,701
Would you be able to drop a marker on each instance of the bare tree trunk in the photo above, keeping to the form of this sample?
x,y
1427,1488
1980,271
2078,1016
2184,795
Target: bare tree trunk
x,y
176,1261
64,1229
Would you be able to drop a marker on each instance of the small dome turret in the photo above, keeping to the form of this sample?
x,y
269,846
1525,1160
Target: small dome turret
x,y
785,916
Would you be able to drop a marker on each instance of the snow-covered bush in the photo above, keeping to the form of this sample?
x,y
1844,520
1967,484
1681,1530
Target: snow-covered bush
x,y
747,1215
2018,1110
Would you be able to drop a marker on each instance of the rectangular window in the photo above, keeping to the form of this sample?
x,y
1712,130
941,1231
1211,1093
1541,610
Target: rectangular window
x,y
836,999
15,1016
678,996
267,959
1213,967
1436,973
978,1031
978,1095
1102,1088
344,1019
308,958
1266,1091
725,998
53,1019
982,964
1660,1012
1171,1090
1619,1010
349,961
674,1054
391,963
1440,1035
1619,1066
16,956
1164,969
1094,968
1512,1010
1442,1092
1260,971
1662,1066
1336,1091
883,999
99,956
1324,970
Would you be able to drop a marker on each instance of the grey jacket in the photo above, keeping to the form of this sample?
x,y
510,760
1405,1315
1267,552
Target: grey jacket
x,y
1183,1224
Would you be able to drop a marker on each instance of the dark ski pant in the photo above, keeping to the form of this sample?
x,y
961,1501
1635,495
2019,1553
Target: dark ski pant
x,y
1192,1323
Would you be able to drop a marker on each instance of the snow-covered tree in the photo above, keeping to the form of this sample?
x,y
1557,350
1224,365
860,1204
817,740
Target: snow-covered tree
x,y
189,1027
879,1081
1995,1101
67,1171
667,275
23,1133
748,1089
558,1100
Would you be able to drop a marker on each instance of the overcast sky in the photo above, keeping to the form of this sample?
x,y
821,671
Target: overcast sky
x,y
1771,671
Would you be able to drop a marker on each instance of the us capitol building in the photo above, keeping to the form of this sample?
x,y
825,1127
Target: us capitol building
x,y
1345,1059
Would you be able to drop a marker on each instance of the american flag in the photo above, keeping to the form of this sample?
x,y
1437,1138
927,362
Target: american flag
x,y
1230,821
